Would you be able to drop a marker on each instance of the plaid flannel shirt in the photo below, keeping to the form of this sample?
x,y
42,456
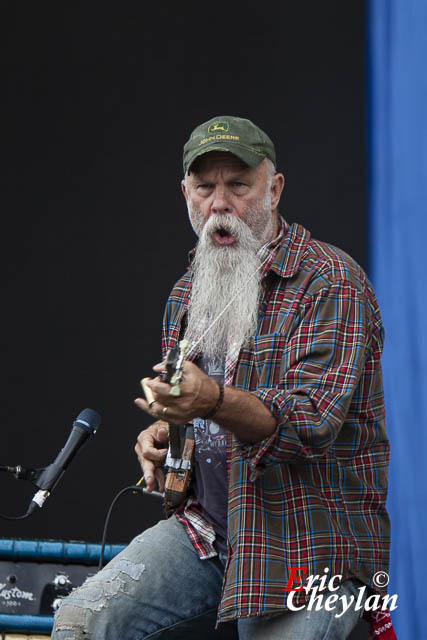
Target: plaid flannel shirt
x,y
312,494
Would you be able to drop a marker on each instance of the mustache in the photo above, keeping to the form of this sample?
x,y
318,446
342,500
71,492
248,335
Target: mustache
x,y
225,221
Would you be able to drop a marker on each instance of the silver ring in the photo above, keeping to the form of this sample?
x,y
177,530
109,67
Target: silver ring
x,y
164,410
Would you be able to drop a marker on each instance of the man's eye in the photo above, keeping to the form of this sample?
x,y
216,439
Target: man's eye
x,y
203,186
239,184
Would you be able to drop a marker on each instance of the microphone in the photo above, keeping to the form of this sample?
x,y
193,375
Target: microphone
x,y
85,425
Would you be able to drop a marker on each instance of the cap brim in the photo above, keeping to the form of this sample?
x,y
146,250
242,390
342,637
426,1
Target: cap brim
x,y
252,159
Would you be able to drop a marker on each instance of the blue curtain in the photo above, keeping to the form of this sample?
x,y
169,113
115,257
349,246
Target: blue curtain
x,y
397,60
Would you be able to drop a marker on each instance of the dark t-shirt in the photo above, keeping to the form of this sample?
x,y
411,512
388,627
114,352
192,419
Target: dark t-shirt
x,y
210,466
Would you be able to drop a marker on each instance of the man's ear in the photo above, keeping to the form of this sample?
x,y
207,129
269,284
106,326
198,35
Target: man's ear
x,y
277,185
184,189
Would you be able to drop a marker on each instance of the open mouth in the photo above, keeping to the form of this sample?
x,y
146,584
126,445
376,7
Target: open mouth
x,y
224,237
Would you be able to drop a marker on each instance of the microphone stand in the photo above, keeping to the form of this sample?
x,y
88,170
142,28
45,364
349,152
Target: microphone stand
x,y
23,473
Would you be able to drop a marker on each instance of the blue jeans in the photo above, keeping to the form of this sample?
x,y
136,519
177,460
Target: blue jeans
x,y
158,588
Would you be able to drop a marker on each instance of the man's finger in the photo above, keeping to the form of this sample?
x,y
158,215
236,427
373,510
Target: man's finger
x,y
160,477
153,454
149,479
143,404
147,451
162,434
159,387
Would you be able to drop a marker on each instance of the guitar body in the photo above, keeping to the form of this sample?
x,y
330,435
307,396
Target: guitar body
x,y
178,470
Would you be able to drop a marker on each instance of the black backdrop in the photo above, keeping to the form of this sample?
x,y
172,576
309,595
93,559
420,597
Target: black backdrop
x,y
97,101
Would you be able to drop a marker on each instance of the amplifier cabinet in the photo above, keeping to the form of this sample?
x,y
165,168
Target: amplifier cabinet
x,y
36,574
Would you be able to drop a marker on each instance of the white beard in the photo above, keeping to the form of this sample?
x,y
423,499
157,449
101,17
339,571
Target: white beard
x,y
222,274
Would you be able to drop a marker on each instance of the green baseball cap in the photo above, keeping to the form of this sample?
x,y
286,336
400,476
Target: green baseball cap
x,y
238,136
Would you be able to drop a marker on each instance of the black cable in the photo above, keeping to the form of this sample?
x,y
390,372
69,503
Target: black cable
x,y
133,488
14,517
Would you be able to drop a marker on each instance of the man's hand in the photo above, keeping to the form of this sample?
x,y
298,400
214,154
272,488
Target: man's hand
x,y
241,412
199,394
151,449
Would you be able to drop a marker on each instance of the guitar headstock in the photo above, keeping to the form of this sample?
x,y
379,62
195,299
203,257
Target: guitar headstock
x,y
174,365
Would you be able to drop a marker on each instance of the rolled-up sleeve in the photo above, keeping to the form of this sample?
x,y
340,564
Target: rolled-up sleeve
x,y
307,379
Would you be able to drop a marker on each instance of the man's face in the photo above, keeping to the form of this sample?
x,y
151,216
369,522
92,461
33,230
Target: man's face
x,y
222,184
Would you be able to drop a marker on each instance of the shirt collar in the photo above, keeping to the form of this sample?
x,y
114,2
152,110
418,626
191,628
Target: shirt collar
x,y
290,251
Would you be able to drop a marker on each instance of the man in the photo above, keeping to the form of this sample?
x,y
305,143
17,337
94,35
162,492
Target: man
x,y
284,390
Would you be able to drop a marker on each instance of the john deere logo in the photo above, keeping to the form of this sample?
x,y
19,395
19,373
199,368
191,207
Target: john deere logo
x,y
218,126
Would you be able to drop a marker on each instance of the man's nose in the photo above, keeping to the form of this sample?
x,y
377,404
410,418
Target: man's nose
x,y
220,203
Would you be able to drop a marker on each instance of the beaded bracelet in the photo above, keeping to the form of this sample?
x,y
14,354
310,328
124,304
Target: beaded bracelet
x,y
218,404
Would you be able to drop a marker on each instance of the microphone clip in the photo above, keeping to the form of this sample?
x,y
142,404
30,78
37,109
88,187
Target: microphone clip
x,y
24,473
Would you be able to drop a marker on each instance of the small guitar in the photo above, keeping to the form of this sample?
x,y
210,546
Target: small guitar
x,y
180,454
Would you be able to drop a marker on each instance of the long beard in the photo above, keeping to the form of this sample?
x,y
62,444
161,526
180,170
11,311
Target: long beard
x,y
222,274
